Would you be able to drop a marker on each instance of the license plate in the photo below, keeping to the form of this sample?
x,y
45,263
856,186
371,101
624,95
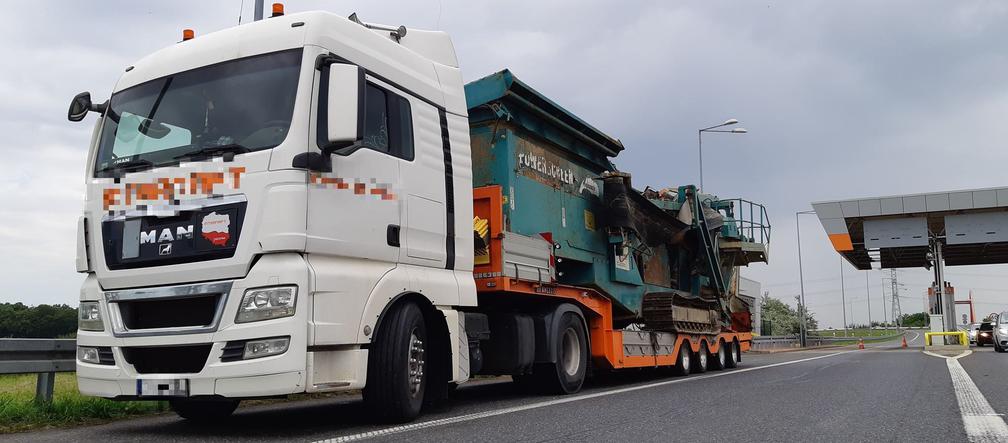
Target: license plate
x,y
174,387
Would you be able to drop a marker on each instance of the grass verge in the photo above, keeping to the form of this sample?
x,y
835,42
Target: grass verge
x,y
19,412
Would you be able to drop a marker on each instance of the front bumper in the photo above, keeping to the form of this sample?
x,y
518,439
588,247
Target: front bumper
x,y
281,374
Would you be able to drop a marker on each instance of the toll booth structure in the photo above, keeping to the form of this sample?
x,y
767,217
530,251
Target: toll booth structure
x,y
932,231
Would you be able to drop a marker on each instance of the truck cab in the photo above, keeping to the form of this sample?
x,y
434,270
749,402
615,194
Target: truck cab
x,y
268,207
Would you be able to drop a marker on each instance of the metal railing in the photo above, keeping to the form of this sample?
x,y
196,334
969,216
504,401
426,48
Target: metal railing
x,y
777,342
750,219
42,356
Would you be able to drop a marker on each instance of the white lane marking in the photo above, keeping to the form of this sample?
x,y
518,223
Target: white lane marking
x,y
542,404
916,334
960,355
982,424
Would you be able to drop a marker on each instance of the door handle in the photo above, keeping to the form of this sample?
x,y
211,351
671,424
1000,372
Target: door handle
x,y
392,235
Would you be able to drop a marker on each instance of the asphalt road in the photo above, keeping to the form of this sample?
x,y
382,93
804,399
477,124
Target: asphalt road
x,y
882,393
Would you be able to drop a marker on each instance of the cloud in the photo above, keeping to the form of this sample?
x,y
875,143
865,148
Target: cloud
x,y
842,99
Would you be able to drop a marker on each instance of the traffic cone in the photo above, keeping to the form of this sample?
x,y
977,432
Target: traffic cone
x,y
904,342
860,343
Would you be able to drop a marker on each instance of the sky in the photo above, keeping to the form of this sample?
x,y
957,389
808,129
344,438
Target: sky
x,y
840,100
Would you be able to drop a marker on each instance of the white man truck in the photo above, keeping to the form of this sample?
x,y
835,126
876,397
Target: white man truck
x,y
311,203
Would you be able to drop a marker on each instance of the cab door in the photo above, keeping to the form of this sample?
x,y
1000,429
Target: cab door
x,y
354,210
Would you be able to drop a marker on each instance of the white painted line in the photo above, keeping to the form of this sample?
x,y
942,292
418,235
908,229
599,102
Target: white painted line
x,y
960,355
916,334
982,424
542,404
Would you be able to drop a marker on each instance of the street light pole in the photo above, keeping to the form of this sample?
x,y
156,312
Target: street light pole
x,y
867,285
700,132
801,282
699,136
843,298
885,315
257,14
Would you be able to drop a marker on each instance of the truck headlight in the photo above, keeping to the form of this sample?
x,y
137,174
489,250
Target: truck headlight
x,y
267,303
265,347
89,317
1003,330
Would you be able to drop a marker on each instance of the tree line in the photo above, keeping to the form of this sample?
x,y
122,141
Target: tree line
x,y
783,319
18,320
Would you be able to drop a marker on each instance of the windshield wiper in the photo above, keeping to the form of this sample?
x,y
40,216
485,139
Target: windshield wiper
x,y
209,151
132,164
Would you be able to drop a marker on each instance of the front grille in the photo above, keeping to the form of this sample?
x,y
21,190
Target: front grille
x,y
188,359
169,313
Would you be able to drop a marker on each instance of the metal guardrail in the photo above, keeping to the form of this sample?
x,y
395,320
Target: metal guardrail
x,y
773,342
42,356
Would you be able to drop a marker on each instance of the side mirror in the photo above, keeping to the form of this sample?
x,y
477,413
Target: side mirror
x,y
79,107
344,106
81,104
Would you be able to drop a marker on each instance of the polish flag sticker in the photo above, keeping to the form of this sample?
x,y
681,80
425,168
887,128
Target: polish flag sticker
x,y
215,228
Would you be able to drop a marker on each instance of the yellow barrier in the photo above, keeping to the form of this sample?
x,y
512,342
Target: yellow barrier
x,y
961,334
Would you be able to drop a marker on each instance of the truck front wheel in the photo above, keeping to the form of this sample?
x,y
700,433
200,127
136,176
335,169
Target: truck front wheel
x,y
397,366
198,410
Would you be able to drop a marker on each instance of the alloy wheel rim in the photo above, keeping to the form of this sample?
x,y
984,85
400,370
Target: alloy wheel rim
x,y
415,357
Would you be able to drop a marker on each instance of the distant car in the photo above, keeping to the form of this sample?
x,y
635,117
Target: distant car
x,y
1001,332
985,333
971,330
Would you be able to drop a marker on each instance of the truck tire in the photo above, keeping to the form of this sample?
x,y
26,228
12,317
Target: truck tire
x,y
720,360
701,359
397,366
684,359
568,373
201,411
733,354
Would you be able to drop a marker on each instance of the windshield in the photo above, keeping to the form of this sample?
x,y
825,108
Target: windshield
x,y
246,104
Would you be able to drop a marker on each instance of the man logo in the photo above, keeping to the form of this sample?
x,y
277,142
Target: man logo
x,y
164,249
152,236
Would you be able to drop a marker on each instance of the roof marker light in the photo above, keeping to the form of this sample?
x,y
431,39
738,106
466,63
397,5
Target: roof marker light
x,y
278,10
188,34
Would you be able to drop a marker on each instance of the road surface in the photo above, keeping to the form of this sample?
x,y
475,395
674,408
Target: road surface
x,y
881,393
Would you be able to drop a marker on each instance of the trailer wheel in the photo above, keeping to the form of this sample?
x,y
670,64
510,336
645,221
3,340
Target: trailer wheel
x,y
568,373
701,359
683,360
202,411
397,366
733,354
721,357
